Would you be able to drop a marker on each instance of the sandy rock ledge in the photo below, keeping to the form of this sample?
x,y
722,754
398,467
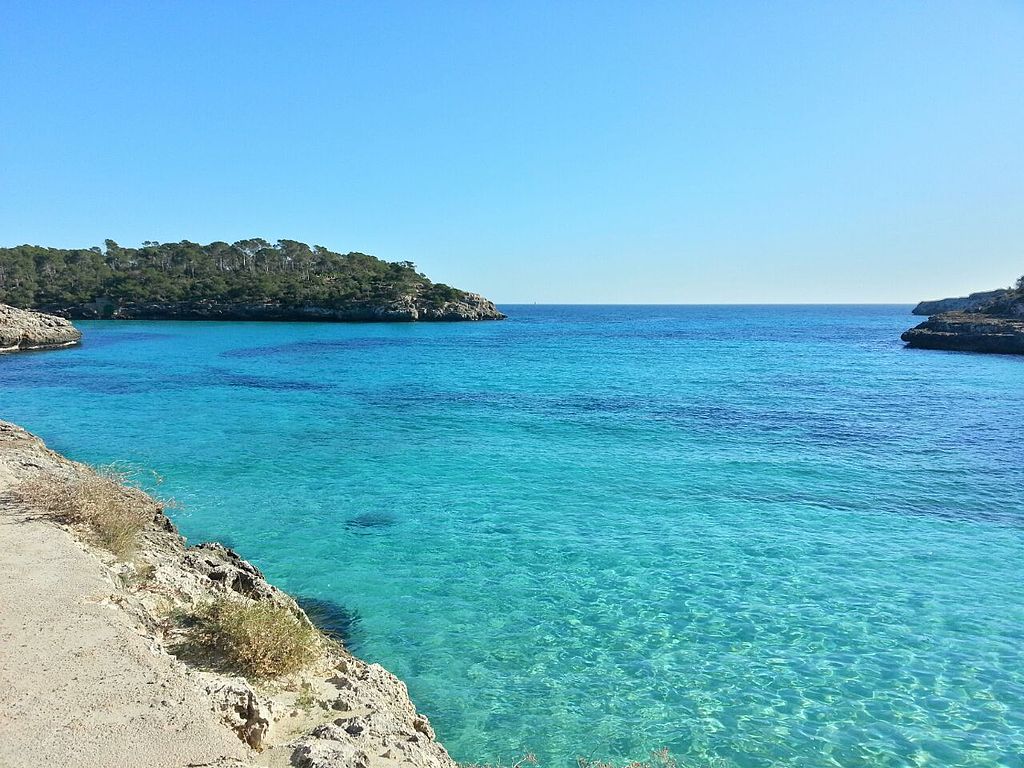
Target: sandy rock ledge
x,y
89,674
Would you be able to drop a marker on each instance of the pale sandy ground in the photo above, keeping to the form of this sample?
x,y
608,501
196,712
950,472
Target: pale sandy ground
x,y
78,686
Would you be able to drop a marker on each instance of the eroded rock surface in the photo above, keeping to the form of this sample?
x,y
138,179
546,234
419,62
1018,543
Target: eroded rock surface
x,y
22,329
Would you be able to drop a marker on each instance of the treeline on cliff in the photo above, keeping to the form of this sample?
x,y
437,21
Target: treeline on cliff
x,y
287,272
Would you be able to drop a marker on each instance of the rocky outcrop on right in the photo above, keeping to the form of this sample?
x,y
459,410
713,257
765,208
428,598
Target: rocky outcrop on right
x,y
967,332
982,322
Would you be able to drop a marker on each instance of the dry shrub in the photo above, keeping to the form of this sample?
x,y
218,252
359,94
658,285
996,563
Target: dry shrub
x,y
260,640
112,513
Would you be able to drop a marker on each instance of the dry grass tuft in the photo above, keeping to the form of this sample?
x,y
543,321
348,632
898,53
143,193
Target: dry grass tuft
x,y
112,513
260,640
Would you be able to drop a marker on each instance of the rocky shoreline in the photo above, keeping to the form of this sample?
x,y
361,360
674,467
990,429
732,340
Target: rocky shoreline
x,y
336,711
468,307
22,329
968,332
991,322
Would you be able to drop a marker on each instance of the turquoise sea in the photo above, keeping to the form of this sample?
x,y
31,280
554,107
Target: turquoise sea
x,y
758,536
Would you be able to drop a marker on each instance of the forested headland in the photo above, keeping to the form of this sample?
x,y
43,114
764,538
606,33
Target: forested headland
x,y
253,278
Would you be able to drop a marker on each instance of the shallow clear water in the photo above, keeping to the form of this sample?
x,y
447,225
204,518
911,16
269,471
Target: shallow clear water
x,y
758,536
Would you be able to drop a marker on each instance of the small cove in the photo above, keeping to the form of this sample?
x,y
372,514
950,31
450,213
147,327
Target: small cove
x,y
753,535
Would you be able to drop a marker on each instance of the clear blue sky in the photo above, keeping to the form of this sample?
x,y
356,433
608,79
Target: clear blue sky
x,y
536,151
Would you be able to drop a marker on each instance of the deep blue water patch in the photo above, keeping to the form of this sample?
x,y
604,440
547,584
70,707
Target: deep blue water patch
x,y
333,618
105,339
368,522
272,384
314,348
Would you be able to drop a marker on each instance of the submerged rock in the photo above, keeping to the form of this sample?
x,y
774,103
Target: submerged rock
x,y
22,329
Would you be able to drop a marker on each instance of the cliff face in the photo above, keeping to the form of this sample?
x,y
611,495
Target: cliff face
x,y
994,323
94,665
970,303
470,306
22,329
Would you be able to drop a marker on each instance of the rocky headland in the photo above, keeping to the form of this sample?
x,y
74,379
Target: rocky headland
x,y
982,322
103,661
22,329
